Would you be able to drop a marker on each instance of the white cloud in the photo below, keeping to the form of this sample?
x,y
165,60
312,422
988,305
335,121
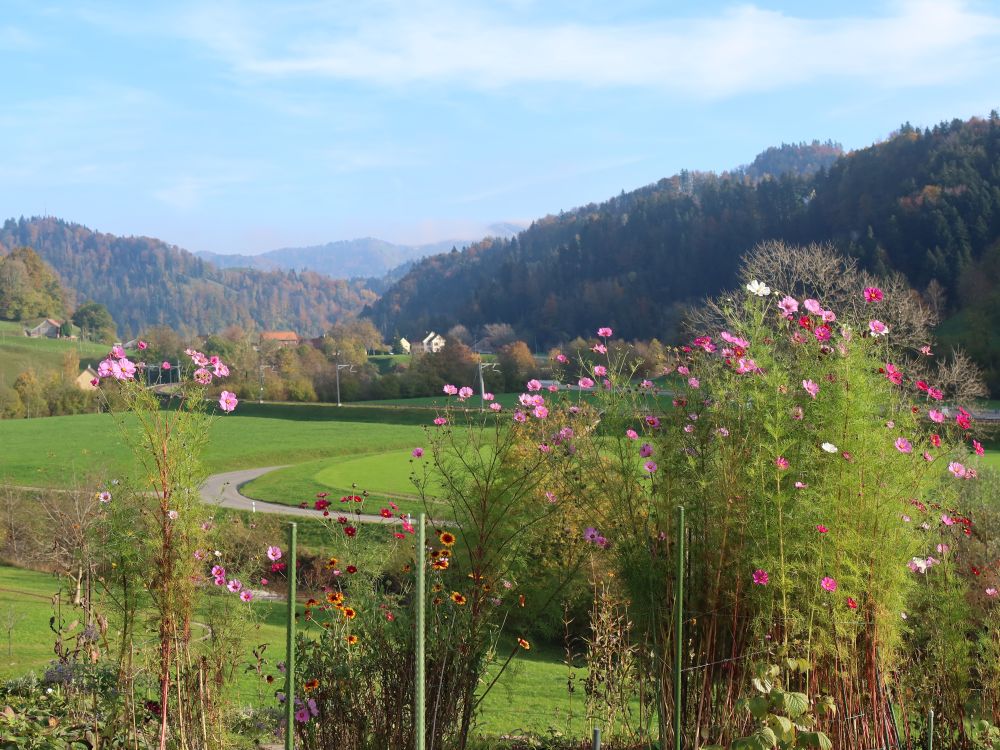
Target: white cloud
x,y
743,49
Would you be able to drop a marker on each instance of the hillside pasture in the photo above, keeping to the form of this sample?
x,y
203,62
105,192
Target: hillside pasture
x,y
19,353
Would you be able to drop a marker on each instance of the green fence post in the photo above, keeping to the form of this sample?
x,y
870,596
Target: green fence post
x,y
419,687
290,644
596,743
678,627
930,730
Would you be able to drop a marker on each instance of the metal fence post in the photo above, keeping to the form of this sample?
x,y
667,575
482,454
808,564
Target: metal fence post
x,y
678,627
290,644
596,744
930,730
419,698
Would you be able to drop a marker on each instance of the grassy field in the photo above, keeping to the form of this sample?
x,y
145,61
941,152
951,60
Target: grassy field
x,y
63,451
531,695
19,353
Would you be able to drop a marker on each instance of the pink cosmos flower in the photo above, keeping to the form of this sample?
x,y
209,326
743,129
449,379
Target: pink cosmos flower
x,y
165,365
104,497
227,401
760,577
947,520
873,294
878,328
689,428
745,365
722,432
935,393
903,445
942,549
650,466
734,340
142,345
926,350
439,421
935,416
95,382
927,456
822,333
562,359
781,462
936,440
417,452
450,389
813,306
893,374
683,370
800,485
495,406
520,416
789,305
234,585
811,388
646,384
273,553
218,570
978,448
220,580
604,332
488,396
694,382
544,448
599,349
600,370
302,715
526,399
645,450
202,376
464,392
541,412
828,583
829,316
551,497
652,421
631,434
586,383
957,469
991,592
534,385
221,370
246,596
173,515
822,529
200,554
117,352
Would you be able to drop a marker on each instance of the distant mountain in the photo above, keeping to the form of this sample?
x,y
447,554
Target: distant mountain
x,y
924,202
145,282
346,259
798,159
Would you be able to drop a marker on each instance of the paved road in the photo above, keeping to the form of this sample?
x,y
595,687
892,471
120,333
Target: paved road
x,y
224,490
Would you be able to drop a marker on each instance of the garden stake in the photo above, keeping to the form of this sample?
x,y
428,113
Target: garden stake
x,y
290,645
678,626
420,686
930,729
596,744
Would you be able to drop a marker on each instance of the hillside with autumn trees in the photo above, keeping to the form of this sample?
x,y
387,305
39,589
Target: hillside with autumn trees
x,y
924,202
145,282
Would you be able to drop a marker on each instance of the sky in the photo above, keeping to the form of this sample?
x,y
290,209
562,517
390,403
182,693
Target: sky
x,y
247,126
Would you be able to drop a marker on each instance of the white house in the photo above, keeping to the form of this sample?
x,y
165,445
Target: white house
x,y
432,343
404,345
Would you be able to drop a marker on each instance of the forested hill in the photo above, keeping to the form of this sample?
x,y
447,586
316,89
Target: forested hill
x,y
925,202
145,282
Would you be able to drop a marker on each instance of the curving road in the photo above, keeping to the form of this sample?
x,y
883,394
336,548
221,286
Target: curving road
x,y
223,490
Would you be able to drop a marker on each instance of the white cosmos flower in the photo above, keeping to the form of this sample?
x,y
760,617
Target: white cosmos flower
x,y
756,287
829,447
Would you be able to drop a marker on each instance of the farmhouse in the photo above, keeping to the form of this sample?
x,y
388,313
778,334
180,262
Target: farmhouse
x,y
83,380
281,338
432,343
48,328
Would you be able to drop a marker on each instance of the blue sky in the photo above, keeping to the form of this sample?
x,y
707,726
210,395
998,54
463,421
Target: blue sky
x,y
245,126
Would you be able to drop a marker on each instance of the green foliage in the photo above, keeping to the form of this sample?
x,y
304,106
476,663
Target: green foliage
x,y
29,288
95,323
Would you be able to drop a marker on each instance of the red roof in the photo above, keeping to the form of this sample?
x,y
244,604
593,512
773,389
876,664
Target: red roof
x,y
279,336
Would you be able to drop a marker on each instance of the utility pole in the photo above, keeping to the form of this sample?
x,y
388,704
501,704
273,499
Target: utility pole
x,y
482,385
350,368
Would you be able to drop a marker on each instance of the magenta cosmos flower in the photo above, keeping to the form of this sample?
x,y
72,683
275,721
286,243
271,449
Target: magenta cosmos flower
x,y
811,388
650,466
273,553
903,445
878,328
760,577
873,294
604,332
829,584
439,421
417,452
789,305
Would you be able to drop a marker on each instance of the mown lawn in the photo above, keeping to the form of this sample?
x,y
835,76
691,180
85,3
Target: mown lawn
x,y
19,353
85,448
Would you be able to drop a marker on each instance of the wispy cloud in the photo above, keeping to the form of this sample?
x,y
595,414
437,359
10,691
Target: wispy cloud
x,y
743,49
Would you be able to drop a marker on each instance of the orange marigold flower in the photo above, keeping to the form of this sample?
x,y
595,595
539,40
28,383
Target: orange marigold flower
x,y
458,598
352,639
310,685
524,644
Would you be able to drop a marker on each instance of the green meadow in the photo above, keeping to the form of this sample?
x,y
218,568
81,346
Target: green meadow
x,y
19,353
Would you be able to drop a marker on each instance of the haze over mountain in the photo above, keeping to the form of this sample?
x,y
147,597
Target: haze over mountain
x,y
346,259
